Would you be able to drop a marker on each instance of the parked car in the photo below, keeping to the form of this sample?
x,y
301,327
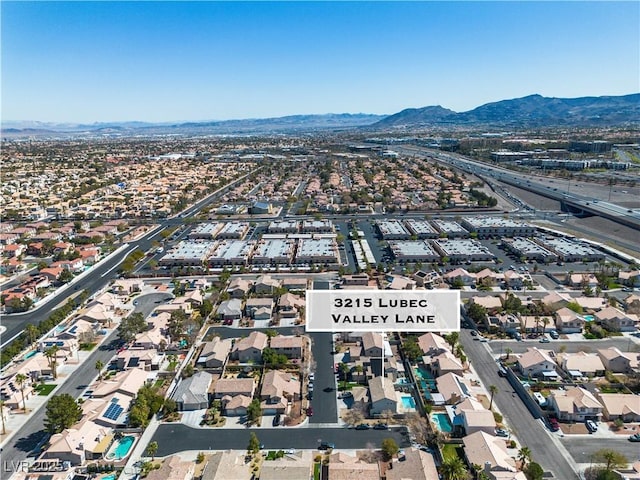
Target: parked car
x,y
591,426
634,438
553,334
312,377
502,372
501,432
473,333
381,426
544,339
363,426
310,411
276,420
553,424
326,446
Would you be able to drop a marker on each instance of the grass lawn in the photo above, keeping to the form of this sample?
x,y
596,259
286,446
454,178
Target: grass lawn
x,y
87,346
45,389
449,450
172,366
316,471
158,383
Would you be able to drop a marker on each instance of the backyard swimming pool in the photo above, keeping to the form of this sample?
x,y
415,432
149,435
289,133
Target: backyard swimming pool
x,y
408,402
120,448
442,422
30,354
588,318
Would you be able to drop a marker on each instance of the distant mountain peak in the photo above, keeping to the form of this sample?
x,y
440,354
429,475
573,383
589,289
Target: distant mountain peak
x,y
530,111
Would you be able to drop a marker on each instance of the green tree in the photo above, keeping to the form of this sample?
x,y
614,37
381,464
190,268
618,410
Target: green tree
x,y
65,276
32,333
206,308
152,449
62,412
389,448
21,380
610,459
452,339
508,351
254,412
493,390
274,359
534,471
524,455
52,359
254,443
4,430
131,326
412,349
99,367
453,468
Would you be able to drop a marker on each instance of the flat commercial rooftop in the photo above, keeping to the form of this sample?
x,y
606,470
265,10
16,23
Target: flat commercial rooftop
x,y
393,228
462,247
233,249
274,249
413,249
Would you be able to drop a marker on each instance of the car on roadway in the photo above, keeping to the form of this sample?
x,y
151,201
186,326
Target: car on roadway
x,y
135,302
312,377
634,438
363,426
544,339
326,446
309,411
381,426
473,333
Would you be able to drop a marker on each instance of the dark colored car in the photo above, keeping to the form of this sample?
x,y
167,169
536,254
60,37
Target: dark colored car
x,y
553,424
363,426
276,420
310,412
381,426
326,446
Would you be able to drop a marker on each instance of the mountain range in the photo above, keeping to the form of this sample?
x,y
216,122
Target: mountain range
x,y
529,111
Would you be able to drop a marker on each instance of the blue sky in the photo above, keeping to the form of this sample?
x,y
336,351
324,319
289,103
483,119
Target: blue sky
x,y
165,61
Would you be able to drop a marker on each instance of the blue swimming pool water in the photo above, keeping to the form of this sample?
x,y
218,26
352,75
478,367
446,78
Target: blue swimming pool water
x,y
408,402
30,354
113,476
120,448
588,318
442,422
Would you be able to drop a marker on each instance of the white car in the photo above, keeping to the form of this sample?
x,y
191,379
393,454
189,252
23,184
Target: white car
x,y
312,377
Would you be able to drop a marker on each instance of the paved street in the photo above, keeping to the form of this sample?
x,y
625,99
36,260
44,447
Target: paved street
x,y
582,448
271,438
325,409
530,432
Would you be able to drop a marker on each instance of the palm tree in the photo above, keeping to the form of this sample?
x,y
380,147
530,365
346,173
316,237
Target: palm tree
x,y
508,351
545,322
524,455
51,354
453,468
99,367
4,430
493,389
32,333
21,379
152,448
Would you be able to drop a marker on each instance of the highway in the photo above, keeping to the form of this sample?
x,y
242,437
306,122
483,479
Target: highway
x,y
594,206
